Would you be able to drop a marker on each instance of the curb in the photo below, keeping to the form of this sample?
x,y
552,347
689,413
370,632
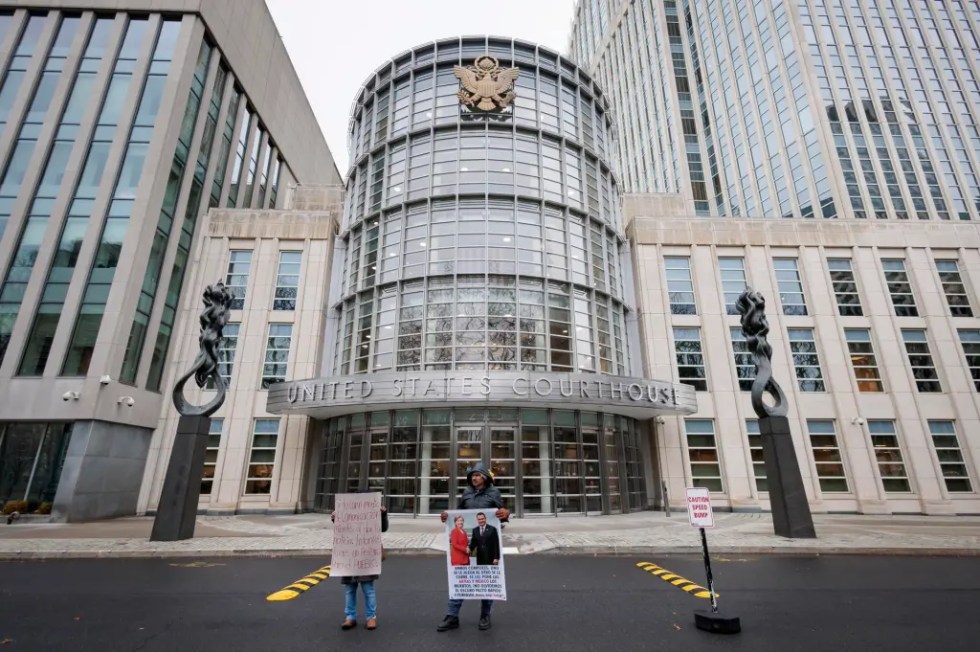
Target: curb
x,y
596,551
621,551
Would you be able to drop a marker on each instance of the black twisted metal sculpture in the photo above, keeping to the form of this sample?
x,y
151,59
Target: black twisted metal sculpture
x,y
217,302
751,305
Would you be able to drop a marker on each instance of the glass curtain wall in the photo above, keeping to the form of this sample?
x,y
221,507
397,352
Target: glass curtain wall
x,y
482,242
544,461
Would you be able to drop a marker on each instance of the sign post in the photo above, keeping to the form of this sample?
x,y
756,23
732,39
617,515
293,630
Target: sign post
x,y
700,515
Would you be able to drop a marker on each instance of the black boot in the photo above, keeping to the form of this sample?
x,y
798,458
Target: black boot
x,y
485,622
449,622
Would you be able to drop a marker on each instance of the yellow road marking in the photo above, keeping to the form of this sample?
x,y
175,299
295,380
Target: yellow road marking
x,y
300,586
674,579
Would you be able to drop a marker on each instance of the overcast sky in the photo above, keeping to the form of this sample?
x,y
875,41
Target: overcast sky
x,y
336,44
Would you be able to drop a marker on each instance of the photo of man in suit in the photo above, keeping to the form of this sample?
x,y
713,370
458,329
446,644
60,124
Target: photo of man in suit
x,y
484,542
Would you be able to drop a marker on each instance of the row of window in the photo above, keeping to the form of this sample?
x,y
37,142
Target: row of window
x,y
702,450
427,96
474,236
261,456
287,278
792,298
828,459
275,362
691,368
482,322
479,161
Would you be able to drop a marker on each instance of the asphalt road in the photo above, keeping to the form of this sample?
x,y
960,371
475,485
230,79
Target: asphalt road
x,y
555,603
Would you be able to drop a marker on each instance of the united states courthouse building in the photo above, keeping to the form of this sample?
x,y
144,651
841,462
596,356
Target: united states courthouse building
x,y
472,301
491,288
533,262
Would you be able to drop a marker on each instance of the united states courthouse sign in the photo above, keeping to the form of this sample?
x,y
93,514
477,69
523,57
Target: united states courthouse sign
x,y
336,395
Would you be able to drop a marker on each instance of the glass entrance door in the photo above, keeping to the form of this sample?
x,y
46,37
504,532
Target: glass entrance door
x,y
434,456
568,465
503,462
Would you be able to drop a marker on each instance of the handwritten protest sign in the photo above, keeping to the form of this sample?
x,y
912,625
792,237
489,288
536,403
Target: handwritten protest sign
x,y
475,555
356,535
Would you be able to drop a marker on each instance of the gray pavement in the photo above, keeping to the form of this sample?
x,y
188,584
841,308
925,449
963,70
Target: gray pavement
x,y
642,533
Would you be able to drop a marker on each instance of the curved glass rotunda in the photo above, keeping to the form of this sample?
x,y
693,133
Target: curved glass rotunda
x,y
483,305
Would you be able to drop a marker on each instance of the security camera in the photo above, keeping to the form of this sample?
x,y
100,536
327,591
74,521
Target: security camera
x,y
105,380
68,396
128,401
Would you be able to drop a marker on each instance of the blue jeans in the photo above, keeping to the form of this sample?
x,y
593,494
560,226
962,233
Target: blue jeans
x,y
454,606
370,600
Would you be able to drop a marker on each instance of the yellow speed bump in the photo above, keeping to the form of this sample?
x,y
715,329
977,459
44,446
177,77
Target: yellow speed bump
x,y
300,585
683,584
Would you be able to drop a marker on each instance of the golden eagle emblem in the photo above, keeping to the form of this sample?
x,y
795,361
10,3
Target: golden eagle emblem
x,y
485,85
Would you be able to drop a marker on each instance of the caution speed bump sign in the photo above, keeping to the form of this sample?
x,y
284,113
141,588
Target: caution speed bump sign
x,y
300,586
682,583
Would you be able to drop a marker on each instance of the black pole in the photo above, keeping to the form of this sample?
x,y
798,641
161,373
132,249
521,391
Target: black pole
x,y
707,569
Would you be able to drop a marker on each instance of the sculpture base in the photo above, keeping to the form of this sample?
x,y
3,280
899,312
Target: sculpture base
x,y
177,512
790,510
715,623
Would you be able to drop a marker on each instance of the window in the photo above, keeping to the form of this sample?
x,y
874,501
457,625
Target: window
x,y
805,359
790,286
845,287
826,456
262,456
690,360
732,281
287,281
703,454
240,152
888,454
953,288
226,353
970,341
744,365
920,359
950,456
862,353
758,459
276,354
239,265
211,455
899,287
680,287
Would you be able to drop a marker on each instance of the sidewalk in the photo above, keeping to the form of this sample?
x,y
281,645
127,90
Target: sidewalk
x,y
645,533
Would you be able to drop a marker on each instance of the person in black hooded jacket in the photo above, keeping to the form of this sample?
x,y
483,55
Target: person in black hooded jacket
x,y
479,494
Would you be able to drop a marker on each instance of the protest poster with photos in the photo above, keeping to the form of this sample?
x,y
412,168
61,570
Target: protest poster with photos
x,y
356,535
475,555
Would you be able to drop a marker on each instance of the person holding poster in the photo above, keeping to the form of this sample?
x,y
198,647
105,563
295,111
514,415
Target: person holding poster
x,y
459,545
473,582
359,519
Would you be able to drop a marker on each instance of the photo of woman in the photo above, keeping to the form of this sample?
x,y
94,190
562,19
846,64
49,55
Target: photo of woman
x,y
459,544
